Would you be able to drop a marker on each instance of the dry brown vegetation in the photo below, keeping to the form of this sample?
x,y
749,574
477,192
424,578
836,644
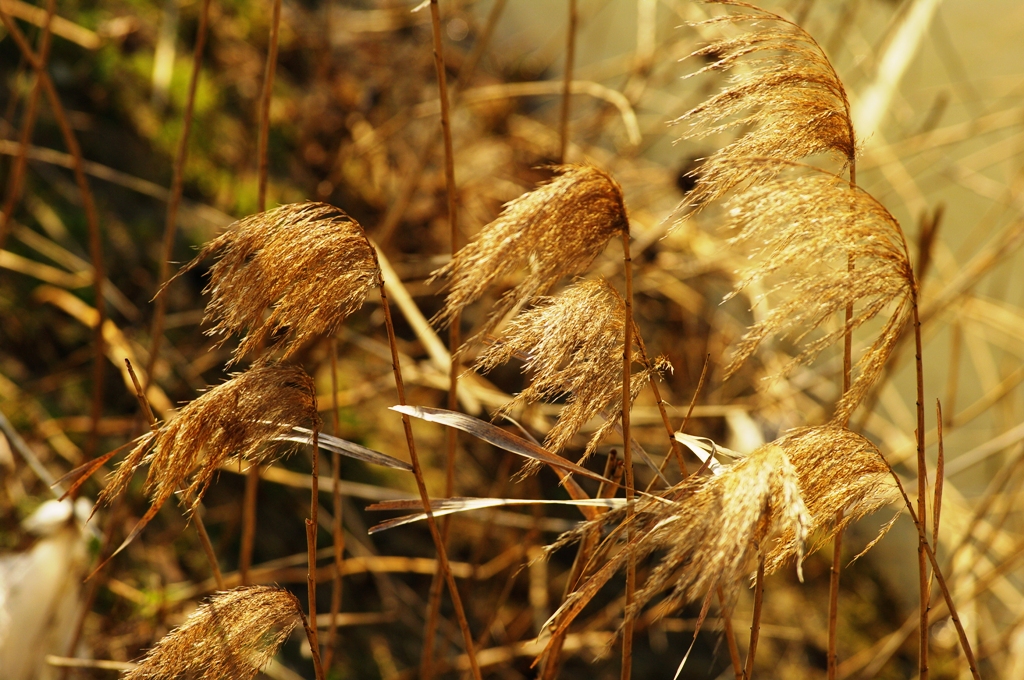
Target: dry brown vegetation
x,y
679,388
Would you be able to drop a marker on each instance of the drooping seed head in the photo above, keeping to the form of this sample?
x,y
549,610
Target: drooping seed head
x,y
240,419
572,342
838,470
233,635
783,92
806,226
309,264
553,231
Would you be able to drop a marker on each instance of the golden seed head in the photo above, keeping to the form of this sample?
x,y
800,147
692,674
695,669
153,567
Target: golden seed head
x,y
783,92
310,264
554,231
233,635
572,343
236,420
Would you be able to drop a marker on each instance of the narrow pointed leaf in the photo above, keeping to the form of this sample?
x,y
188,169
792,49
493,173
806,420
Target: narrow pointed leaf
x,y
448,506
345,448
493,434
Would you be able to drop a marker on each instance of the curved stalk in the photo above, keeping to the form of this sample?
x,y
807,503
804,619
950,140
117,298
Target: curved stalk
x,y
627,455
454,339
570,60
435,534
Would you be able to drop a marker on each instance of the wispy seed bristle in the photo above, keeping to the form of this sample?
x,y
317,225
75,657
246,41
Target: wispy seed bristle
x,y
233,636
237,420
572,342
554,231
783,92
310,264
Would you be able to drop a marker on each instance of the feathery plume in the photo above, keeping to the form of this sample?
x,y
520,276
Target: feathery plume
x,y
233,635
838,470
234,420
310,263
783,92
813,224
555,230
711,529
572,344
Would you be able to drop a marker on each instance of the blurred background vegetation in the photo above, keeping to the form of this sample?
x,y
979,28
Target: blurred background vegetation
x,y
354,122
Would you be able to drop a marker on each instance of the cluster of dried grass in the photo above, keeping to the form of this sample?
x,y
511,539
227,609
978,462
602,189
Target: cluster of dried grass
x,y
822,247
310,266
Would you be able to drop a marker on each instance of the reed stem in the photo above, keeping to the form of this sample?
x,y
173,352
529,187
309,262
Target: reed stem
x,y
28,123
570,60
264,112
833,598
922,490
832,658
252,481
965,644
755,621
454,339
337,531
311,530
627,455
421,486
730,634
262,167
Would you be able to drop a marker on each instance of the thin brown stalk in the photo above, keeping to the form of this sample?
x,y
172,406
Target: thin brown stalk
x,y
570,59
755,622
940,469
682,428
612,472
311,529
832,657
627,455
833,598
965,644
174,199
264,112
922,489
412,175
675,448
28,122
337,531
252,481
730,634
421,486
454,334
204,540
92,220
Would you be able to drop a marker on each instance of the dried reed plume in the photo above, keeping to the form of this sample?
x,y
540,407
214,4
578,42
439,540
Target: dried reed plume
x,y
572,344
310,263
838,470
235,420
814,224
710,529
555,230
233,635
783,93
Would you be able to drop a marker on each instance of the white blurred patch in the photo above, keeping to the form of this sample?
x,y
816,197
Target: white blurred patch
x,y
40,590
